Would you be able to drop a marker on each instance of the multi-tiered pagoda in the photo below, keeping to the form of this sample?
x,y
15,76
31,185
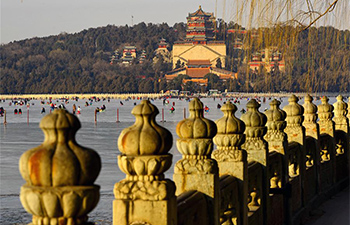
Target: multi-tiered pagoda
x,y
200,26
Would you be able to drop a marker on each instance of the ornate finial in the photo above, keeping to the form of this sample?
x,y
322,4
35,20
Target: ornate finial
x,y
275,116
144,146
254,120
340,108
196,132
275,126
145,137
230,135
341,124
325,110
310,108
294,112
59,174
200,6
196,170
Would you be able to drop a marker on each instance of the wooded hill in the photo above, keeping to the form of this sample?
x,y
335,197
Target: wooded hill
x,y
80,63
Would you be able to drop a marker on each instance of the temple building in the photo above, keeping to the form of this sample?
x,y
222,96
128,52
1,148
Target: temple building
x,y
200,26
267,58
199,43
199,54
129,54
197,69
162,52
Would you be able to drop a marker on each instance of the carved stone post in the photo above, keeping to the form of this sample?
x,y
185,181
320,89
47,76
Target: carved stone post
x,y
275,136
60,174
232,160
144,196
256,146
277,142
296,150
294,129
327,136
341,138
196,170
312,132
310,117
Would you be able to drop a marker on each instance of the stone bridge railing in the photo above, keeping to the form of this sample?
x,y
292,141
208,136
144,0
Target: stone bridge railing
x,y
267,168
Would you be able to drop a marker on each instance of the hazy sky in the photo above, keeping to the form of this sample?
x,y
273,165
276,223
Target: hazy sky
x,y
21,19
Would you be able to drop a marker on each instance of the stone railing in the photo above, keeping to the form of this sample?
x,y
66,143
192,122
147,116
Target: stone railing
x,y
267,168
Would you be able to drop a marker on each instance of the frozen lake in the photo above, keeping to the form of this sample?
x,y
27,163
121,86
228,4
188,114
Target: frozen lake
x,y
18,136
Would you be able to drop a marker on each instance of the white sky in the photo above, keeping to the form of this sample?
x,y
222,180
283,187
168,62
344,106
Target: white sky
x,y
38,18
21,19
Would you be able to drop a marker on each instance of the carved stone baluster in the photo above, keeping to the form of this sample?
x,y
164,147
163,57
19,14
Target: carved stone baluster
x,y
341,138
294,130
340,112
277,142
256,147
295,135
296,150
327,143
275,136
310,117
144,196
232,160
196,170
60,174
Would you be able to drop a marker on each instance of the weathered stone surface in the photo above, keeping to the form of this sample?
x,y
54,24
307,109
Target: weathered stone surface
x,y
327,129
340,112
145,137
144,192
275,136
196,170
59,174
232,160
255,121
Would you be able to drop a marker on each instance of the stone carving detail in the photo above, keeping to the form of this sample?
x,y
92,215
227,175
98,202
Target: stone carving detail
x,y
325,110
276,162
145,190
340,112
195,142
229,207
255,129
293,162
275,126
145,137
294,115
197,171
311,129
254,187
192,166
296,135
144,160
327,129
310,108
230,135
59,174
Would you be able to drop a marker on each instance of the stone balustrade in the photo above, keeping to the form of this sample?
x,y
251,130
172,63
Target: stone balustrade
x,y
267,168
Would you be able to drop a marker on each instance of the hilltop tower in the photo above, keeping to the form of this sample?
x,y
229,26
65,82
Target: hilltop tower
x,y
200,26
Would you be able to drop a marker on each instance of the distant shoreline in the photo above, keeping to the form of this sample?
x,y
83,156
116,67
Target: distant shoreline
x,y
159,95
